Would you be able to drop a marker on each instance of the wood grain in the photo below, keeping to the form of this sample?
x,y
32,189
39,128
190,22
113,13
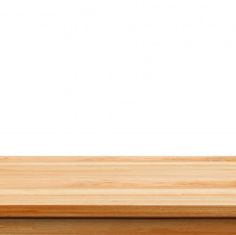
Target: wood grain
x,y
118,187
117,226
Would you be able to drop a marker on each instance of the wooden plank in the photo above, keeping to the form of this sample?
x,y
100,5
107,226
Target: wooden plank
x,y
118,186
117,226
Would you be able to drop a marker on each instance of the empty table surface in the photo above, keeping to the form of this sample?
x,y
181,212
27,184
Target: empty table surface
x,y
151,187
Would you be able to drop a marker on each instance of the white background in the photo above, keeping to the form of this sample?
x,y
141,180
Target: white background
x,y
107,77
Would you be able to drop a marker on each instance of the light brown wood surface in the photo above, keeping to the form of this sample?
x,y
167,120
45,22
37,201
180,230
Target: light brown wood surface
x,y
117,227
118,187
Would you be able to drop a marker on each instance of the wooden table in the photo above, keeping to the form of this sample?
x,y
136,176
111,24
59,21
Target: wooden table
x,y
117,195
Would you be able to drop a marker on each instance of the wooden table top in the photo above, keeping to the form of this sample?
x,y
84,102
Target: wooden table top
x,y
118,187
